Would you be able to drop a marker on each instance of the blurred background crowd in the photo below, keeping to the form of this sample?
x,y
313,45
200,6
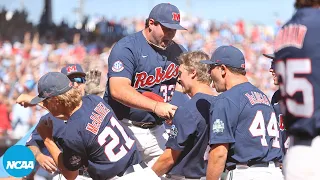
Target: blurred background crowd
x,y
27,51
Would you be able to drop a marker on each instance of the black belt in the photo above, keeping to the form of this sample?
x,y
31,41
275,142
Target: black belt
x,y
301,141
262,164
130,169
145,125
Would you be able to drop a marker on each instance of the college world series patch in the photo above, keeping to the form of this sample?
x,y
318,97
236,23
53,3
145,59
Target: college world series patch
x,y
117,66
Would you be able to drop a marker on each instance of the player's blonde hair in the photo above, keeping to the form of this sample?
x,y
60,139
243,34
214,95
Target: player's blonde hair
x,y
69,100
191,61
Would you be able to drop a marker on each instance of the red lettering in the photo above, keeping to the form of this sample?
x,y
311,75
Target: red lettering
x,y
291,35
92,128
71,68
175,16
142,79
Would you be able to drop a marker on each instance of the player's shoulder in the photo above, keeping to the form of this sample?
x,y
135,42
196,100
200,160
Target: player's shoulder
x,y
199,102
130,41
305,16
175,47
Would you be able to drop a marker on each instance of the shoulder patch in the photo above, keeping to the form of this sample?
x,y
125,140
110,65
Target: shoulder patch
x,y
173,131
75,160
218,126
117,66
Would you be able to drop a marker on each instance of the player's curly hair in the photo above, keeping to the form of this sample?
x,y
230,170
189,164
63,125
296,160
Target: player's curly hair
x,y
192,62
69,100
306,3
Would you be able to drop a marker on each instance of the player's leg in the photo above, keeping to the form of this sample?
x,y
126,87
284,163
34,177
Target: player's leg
x,y
150,142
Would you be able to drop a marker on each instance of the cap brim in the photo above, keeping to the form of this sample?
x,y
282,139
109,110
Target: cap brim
x,y
173,26
82,74
207,62
270,56
36,100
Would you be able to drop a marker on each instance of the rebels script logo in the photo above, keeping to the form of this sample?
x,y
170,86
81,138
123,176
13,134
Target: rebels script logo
x,y
145,80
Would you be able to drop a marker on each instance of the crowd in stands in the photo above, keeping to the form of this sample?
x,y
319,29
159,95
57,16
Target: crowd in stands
x,y
28,51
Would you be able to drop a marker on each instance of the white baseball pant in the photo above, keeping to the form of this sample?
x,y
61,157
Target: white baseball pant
x,y
150,142
256,173
302,161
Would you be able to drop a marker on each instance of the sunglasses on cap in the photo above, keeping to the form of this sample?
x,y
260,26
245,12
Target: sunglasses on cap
x,y
78,80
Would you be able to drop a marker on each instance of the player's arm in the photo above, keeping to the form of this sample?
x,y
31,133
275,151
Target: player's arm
x,y
166,161
183,127
35,144
121,70
222,123
217,160
25,99
45,131
57,156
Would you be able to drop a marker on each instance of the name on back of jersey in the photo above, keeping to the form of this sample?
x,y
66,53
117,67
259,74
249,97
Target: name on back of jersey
x,y
291,35
257,98
143,79
97,117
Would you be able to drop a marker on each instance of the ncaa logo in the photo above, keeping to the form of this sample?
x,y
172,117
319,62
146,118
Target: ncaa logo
x,y
18,161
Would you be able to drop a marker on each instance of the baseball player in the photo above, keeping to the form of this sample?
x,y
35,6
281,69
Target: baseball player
x,y
76,75
146,61
297,66
276,106
244,133
188,139
93,137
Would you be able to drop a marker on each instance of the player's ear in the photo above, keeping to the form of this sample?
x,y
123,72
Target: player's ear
x,y
193,73
223,69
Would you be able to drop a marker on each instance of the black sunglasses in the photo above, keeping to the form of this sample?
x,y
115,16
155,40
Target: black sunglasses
x,y
79,80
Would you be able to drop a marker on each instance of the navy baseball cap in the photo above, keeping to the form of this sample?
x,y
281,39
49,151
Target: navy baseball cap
x,y
271,56
227,55
167,15
50,85
71,69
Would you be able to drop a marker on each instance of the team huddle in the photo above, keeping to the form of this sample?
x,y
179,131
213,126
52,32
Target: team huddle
x,y
160,118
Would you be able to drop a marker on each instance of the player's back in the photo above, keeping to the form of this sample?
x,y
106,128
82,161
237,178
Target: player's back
x,y
255,127
190,134
95,133
298,62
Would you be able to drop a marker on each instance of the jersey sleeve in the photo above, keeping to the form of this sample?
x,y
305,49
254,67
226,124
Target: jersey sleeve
x,y
223,116
183,126
73,153
121,62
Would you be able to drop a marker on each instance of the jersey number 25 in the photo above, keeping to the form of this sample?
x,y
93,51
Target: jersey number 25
x,y
258,128
110,146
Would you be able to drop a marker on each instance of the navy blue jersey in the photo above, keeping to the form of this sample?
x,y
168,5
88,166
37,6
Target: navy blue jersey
x,y
95,138
148,68
57,133
179,98
244,118
297,65
190,134
276,106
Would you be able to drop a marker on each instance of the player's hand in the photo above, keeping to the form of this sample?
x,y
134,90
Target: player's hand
x,y
24,100
47,163
165,110
93,78
168,121
44,129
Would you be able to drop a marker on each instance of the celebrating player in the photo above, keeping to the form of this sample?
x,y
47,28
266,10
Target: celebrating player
x,y
146,61
297,66
244,135
76,75
93,138
188,138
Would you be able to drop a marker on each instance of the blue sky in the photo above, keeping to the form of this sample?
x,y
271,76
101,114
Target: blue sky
x,y
260,11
